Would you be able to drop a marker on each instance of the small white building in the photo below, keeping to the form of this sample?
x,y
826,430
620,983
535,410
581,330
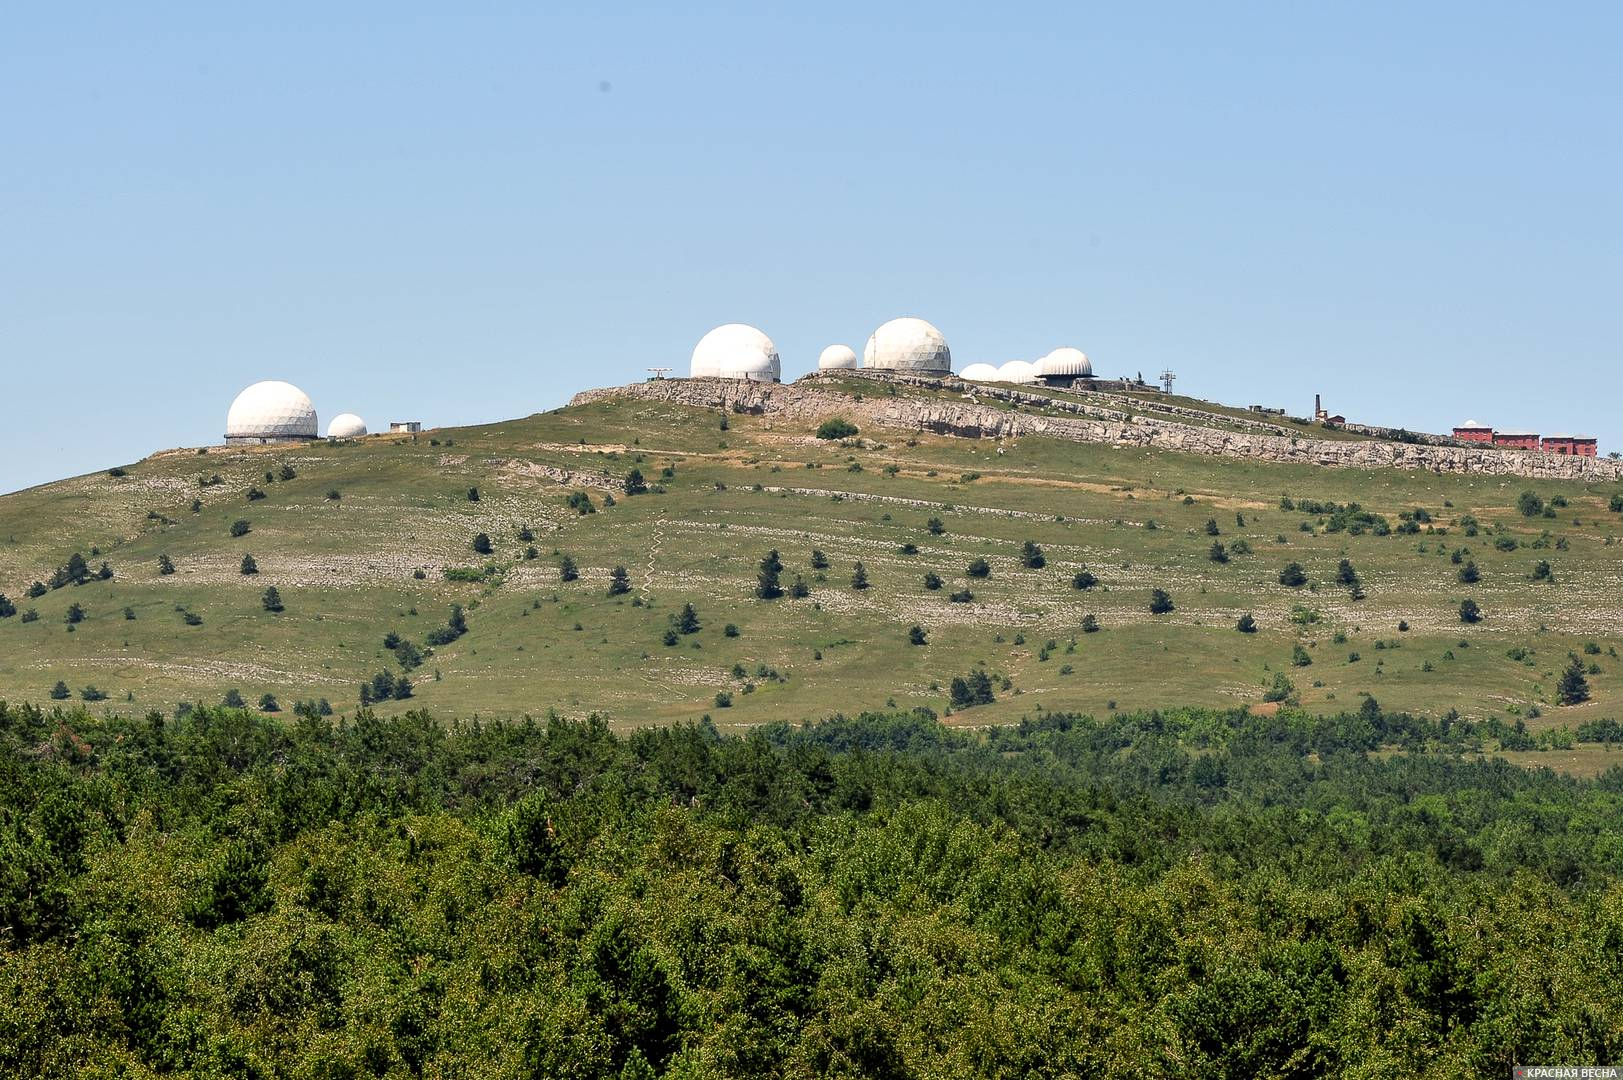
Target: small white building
x,y
408,427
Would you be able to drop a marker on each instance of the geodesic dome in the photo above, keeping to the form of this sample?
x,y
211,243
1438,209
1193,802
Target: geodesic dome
x,y
736,351
1066,361
271,411
836,357
979,373
346,426
1017,371
908,345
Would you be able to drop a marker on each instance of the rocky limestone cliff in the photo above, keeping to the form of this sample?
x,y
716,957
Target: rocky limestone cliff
x,y
971,417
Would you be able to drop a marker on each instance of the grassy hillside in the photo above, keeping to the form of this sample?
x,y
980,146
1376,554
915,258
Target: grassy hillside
x,y
345,566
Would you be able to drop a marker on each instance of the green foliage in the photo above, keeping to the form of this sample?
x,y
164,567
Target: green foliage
x,y
578,501
1084,579
1246,624
567,570
1160,602
1104,893
249,566
1293,575
1528,504
619,581
836,428
1031,556
634,484
916,635
932,580
240,527
482,544
859,576
272,600
979,568
1470,611
455,627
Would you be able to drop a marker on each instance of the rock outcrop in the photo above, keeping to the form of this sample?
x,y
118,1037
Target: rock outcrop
x,y
999,413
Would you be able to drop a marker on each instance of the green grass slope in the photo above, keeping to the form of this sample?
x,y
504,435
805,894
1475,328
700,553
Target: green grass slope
x,y
346,570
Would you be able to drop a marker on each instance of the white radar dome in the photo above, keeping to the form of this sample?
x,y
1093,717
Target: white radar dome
x,y
1017,371
1066,361
271,411
736,351
836,357
979,373
346,426
908,345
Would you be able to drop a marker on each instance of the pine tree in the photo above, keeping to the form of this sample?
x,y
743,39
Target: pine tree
x,y
165,566
1084,579
1573,688
767,582
819,561
249,566
1345,574
634,483
1247,624
76,614
935,526
7,608
567,570
60,691
619,581
481,544
1469,574
272,599
859,577
1160,602
1211,527
1031,556
1469,611
978,568
916,636
799,590
1217,553
688,621
1293,575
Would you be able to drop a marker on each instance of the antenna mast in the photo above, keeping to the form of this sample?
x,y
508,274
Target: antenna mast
x,y
1166,381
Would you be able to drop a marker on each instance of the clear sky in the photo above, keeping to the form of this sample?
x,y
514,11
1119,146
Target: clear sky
x,y
1413,209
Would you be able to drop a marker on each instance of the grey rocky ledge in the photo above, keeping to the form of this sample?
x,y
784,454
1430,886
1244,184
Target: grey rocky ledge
x,y
806,400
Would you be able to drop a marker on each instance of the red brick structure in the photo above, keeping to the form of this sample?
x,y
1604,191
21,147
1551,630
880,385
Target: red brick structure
x,y
1473,431
1516,440
1574,445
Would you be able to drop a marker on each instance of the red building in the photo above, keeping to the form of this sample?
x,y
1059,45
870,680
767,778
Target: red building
x,y
1473,431
1575,445
1516,440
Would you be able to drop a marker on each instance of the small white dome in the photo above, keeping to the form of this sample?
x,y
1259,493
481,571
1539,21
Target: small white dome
x,y
836,357
979,373
908,345
1017,371
271,410
736,351
346,426
1065,361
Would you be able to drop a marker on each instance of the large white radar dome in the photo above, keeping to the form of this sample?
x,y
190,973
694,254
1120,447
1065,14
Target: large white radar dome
x,y
736,351
1066,361
346,426
1017,371
271,411
979,373
836,357
908,345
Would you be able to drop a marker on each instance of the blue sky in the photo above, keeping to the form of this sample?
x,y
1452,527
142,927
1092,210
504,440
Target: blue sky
x,y
1411,209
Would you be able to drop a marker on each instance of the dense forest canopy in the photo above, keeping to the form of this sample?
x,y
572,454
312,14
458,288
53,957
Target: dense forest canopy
x,y
1170,894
